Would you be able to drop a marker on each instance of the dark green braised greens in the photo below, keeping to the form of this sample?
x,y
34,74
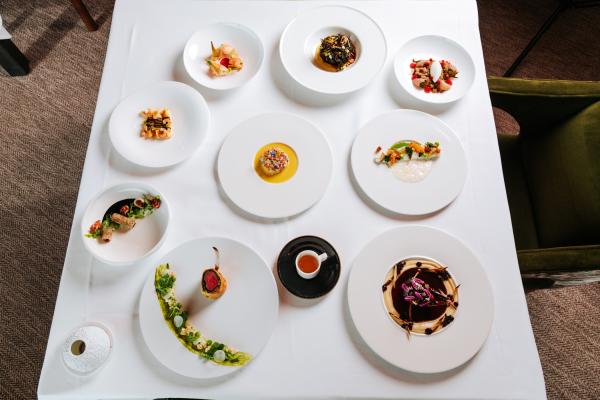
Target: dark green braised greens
x,y
337,51
186,333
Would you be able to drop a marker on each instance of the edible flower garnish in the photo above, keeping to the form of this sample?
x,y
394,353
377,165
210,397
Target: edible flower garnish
x,y
420,294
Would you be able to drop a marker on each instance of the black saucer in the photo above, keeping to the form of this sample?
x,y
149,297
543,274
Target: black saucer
x,y
320,284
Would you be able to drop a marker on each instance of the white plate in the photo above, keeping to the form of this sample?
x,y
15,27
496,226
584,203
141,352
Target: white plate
x,y
438,48
243,318
127,247
301,37
438,189
248,191
190,118
242,38
442,351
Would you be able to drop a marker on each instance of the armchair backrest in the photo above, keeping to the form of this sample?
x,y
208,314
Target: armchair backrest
x,y
560,154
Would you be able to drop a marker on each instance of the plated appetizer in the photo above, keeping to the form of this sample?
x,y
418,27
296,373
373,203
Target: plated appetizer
x,y
122,216
420,295
405,150
273,161
223,60
276,162
433,76
335,53
186,333
409,160
157,124
213,281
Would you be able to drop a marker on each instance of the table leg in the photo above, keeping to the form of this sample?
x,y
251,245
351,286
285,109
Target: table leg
x,y
12,60
87,19
564,4
561,7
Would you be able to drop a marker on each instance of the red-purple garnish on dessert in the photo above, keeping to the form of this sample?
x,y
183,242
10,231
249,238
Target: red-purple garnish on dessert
x,y
420,295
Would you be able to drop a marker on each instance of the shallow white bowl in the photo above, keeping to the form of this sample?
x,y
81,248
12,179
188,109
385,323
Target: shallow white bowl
x,y
442,351
190,118
126,247
438,48
248,191
243,317
302,36
445,180
242,38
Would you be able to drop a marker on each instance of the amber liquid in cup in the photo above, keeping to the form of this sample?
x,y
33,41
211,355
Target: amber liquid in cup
x,y
308,263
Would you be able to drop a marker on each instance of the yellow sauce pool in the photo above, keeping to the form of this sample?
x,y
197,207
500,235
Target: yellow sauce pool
x,y
288,172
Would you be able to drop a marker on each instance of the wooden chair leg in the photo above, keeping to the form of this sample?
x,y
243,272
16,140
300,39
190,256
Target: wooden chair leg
x,y
87,19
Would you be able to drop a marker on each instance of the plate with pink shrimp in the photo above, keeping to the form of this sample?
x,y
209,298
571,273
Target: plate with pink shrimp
x,y
223,55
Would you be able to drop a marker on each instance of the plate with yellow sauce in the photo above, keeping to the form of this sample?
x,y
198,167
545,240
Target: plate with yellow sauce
x,y
275,165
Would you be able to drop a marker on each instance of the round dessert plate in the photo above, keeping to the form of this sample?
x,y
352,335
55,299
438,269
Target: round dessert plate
x,y
242,318
240,37
437,48
439,352
145,238
245,187
302,37
442,184
321,284
190,122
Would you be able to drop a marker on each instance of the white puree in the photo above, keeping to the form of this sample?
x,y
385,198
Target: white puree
x,y
412,170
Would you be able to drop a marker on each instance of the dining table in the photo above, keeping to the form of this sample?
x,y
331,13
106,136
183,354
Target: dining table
x,y
314,352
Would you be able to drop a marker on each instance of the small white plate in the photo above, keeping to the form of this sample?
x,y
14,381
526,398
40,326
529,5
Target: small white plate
x,y
437,48
242,38
439,352
437,190
126,247
190,118
243,317
303,35
249,191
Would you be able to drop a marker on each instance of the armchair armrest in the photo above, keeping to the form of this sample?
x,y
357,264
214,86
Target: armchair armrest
x,y
540,102
559,259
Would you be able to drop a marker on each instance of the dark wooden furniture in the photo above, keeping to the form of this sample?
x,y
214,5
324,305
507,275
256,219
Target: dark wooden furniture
x,y
87,19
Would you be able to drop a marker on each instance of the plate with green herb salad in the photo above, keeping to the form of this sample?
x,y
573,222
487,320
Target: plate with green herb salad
x,y
125,223
205,337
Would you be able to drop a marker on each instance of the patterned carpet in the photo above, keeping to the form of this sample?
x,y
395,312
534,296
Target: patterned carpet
x,y
46,119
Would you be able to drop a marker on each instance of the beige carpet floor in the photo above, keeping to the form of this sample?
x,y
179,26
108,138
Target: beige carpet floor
x,y
45,120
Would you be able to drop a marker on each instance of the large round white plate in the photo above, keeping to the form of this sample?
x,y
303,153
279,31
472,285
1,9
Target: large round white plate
x,y
242,38
442,351
126,247
248,191
438,189
302,36
438,48
190,118
243,318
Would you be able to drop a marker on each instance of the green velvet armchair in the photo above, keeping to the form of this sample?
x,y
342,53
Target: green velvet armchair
x,y
552,171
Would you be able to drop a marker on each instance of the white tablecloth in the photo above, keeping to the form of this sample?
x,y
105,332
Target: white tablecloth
x,y
314,351
3,32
